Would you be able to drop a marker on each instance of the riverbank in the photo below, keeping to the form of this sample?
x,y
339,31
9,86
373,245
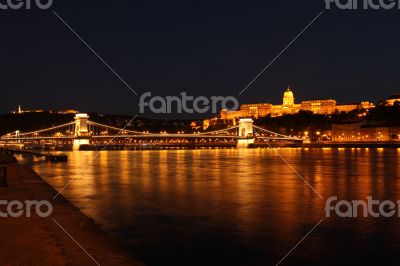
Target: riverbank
x,y
42,241
352,145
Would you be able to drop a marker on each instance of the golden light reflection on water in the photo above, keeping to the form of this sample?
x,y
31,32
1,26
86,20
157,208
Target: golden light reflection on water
x,y
251,193
241,170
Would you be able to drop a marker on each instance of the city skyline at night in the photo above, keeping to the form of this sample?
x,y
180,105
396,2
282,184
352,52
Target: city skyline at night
x,y
199,132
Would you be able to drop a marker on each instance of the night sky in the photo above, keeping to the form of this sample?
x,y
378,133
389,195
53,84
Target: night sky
x,y
201,47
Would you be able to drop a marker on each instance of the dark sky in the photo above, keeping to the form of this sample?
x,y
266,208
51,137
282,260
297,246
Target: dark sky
x,y
201,47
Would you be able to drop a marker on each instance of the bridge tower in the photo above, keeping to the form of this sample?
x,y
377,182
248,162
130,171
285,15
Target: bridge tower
x,y
245,133
17,133
81,125
81,131
246,128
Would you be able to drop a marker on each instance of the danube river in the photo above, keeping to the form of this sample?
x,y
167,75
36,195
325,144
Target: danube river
x,y
236,206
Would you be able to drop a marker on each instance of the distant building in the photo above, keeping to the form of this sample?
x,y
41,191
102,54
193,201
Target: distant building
x,y
195,125
215,122
324,107
64,112
17,111
206,124
21,111
393,99
366,105
356,132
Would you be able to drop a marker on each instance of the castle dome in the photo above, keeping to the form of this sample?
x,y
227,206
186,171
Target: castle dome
x,y
288,93
288,98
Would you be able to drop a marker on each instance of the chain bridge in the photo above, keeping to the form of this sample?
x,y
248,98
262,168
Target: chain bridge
x,y
85,133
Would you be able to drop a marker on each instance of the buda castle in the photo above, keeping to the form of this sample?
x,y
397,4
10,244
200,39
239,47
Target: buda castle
x,y
325,107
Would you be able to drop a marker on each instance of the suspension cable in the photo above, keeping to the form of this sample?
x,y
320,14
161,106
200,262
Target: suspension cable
x,y
114,128
220,130
40,131
276,134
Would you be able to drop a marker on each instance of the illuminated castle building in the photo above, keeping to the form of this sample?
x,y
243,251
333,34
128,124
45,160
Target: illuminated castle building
x,y
326,107
391,101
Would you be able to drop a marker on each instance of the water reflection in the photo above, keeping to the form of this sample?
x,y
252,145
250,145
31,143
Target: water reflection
x,y
233,206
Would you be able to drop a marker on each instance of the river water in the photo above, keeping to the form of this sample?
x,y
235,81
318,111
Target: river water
x,y
236,206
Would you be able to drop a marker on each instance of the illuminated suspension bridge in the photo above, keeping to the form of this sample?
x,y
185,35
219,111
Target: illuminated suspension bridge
x,y
85,133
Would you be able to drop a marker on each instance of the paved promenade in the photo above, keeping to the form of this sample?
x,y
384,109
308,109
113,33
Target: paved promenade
x,y
43,241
